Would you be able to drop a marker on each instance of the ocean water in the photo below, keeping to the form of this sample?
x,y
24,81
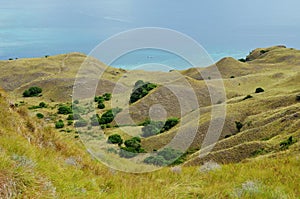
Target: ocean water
x,y
224,28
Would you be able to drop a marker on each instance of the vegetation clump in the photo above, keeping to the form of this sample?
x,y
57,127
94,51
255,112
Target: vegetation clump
x,y
239,126
287,143
156,127
32,92
115,139
141,89
248,97
132,148
81,123
259,90
109,116
101,99
107,96
164,157
40,115
59,124
153,128
65,110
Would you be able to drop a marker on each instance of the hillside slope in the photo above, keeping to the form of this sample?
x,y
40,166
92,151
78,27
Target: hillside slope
x,y
37,162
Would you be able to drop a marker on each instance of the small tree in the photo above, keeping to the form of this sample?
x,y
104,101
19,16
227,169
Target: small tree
x,y
115,139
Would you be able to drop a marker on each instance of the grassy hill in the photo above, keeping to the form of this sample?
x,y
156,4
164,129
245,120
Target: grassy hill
x,y
261,159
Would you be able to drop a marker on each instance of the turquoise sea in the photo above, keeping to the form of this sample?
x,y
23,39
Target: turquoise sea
x,y
224,28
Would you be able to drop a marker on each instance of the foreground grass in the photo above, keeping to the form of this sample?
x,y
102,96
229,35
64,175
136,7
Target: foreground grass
x,y
37,162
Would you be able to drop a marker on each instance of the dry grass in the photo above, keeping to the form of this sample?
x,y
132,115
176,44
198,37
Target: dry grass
x,y
263,171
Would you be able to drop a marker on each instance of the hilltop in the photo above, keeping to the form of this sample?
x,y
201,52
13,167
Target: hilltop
x,y
267,138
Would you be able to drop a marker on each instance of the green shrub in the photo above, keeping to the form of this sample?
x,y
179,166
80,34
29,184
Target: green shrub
x,y
33,107
70,122
32,92
70,117
146,122
76,116
64,110
43,105
238,126
170,123
95,120
132,148
164,157
59,124
107,96
127,152
81,123
287,143
298,97
242,60
40,115
141,89
259,90
99,99
109,116
247,97
169,154
153,128
101,106
112,150
115,139
76,102
156,160
259,152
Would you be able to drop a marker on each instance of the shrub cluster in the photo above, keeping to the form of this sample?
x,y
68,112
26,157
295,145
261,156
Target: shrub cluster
x,y
109,116
74,117
32,92
153,128
156,127
41,105
132,148
164,157
65,110
100,100
141,89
